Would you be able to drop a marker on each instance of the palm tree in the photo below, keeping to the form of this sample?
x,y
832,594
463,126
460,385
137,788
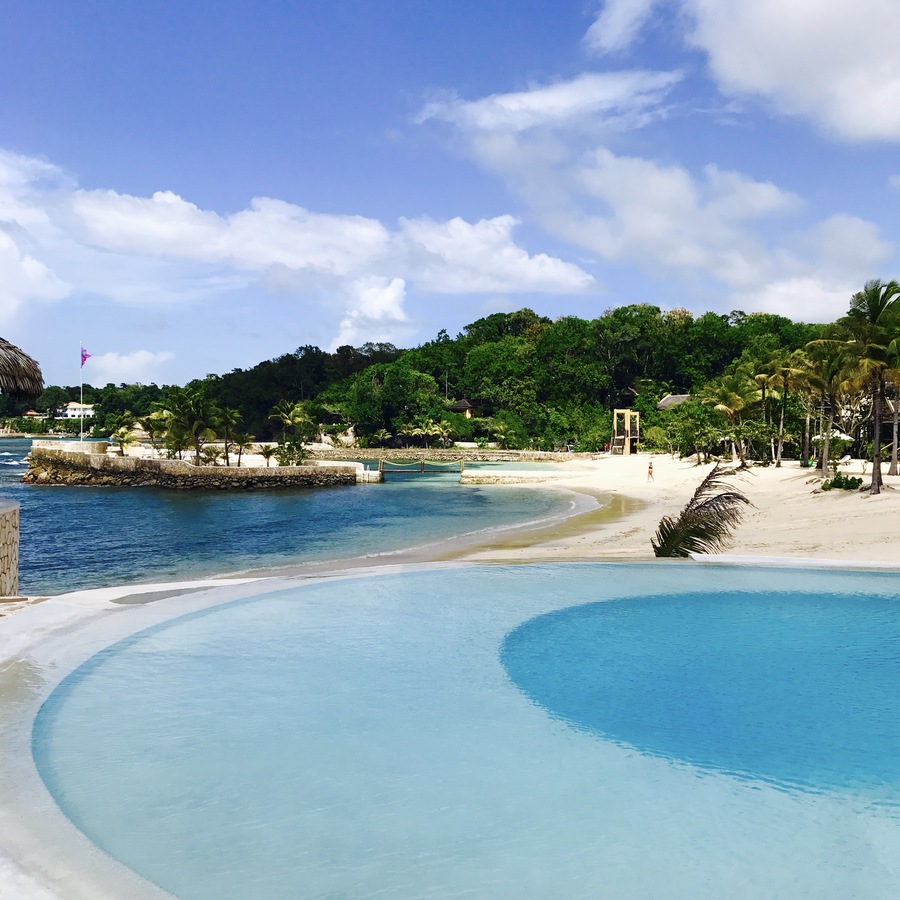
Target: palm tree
x,y
873,323
192,419
788,375
267,452
707,520
408,430
229,419
382,436
728,395
20,375
291,415
828,371
243,443
154,424
123,437
502,434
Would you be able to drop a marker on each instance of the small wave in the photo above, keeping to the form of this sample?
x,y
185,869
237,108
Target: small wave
x,y
13,462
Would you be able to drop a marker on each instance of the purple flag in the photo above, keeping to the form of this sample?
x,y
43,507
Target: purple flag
x,y
85,356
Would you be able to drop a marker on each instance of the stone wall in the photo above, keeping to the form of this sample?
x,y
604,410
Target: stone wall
x,y
56,466
9,550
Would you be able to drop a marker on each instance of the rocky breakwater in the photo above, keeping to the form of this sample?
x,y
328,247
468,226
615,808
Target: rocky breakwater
x,y
58,466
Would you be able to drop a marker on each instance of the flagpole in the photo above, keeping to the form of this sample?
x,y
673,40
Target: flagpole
x,y
81,394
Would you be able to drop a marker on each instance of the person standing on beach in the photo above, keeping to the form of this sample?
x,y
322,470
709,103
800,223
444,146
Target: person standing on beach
x,y
650,471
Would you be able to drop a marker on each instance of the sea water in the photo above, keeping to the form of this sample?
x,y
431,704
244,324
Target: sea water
x,y
625,731
85,537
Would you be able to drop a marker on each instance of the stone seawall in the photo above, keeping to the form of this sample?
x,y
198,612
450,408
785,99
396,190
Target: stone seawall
x,y
54,466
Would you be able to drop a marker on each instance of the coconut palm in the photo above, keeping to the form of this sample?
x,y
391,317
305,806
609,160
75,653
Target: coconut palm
x,y
123,437
728,395
267,452
291,415
788,376
192,419
827,371
20,375
154,424
706,522
408,430
229,419
382,436
243,443
873,323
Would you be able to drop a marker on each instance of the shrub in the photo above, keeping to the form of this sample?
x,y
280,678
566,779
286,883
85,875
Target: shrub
x,y
842,482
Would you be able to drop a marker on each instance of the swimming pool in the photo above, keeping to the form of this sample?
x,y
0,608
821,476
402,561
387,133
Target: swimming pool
x,y
531,731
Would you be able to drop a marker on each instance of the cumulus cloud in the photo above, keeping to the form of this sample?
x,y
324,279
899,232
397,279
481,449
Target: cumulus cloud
x,y
58,240
590,98
142,366
23,278
458,257
618,24
737,236
375,312
828,60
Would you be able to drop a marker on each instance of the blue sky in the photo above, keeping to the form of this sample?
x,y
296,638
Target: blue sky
x,y
193,187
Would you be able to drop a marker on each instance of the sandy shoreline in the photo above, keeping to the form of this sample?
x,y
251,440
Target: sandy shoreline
x,y
791,517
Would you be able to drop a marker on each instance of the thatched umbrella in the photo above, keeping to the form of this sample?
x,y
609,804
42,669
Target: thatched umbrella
x,y
20,375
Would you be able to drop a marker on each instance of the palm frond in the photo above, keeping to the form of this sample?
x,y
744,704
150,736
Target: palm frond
x,y
706,522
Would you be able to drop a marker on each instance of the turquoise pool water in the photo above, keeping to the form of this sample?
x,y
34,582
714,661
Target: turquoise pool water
x,y
538,731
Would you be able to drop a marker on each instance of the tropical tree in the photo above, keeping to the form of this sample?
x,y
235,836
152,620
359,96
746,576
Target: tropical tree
x,y
381,437
243,443
192,419
502,434
827,371
228,419
123,437
267,452
728,395
291,415
154,424
788,376
211,455
873,324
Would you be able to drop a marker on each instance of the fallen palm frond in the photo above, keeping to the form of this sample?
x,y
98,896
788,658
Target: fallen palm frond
x,y
705,524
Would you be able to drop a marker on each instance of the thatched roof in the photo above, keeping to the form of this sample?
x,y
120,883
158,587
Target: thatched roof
x,y
20,375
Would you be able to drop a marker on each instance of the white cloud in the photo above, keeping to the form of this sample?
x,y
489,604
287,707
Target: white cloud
x,y
831,61
458,257
57,240
142,366
375,313
23,279
618,24
590,99
804,299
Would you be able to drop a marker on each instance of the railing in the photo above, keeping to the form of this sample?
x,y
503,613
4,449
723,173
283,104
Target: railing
x,y
420,466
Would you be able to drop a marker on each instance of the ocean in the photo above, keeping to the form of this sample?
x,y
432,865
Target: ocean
x,y
75,538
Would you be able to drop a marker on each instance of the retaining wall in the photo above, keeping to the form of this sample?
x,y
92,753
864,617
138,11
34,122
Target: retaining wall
x,y
9,550
57,466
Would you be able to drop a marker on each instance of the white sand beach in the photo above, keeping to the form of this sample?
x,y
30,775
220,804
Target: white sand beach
x,y
791,516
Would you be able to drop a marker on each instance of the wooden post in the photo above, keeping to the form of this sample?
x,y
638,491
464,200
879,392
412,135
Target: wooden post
x,y
421,466
462,465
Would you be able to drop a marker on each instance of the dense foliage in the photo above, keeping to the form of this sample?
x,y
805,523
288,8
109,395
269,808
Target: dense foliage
x,y
760,385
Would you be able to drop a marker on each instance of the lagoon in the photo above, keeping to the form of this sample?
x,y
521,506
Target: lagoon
x,y
74,538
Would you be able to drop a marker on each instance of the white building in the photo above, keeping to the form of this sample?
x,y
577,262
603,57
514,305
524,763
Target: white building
x,y
75,410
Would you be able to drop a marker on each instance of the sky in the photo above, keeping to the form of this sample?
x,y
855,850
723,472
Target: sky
x,y
189,188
